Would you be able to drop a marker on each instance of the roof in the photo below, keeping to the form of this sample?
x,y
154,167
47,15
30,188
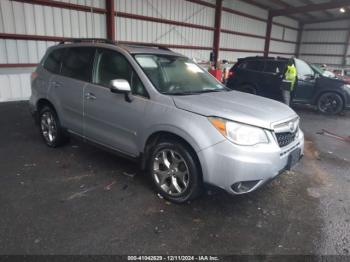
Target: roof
x,y
132,49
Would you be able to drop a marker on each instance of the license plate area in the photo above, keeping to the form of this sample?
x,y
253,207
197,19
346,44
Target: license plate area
x,y
293,158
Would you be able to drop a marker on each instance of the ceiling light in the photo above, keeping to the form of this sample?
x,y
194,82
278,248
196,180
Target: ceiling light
x,y
342,10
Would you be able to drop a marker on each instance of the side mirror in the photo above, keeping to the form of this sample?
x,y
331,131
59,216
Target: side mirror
x,y
120,86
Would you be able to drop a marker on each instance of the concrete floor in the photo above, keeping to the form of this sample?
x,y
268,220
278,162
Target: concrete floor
x,y
81,200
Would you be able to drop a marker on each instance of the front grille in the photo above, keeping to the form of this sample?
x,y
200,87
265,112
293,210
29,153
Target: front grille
x,y
285,138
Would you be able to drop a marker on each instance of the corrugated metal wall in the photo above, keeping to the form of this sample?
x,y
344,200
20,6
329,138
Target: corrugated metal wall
x,y
243,26
137,30
38,20
253,28
324,43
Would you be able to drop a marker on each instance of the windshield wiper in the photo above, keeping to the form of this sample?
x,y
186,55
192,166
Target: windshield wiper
x,y
195,92
211,91
179,93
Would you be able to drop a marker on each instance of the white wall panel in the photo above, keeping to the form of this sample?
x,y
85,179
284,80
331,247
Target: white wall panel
x,y
284,33
94,3
241,42
323,59
152,32
286,21
241,6
19,18
277,31
242,24
290,35
322,49
324,36
335,24
14,86
277,46
177,10
22,51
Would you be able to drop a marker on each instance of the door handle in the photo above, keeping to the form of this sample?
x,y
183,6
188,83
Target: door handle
x,y
90,96
56,84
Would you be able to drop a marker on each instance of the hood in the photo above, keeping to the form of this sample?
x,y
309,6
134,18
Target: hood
x,y
237,106
331,82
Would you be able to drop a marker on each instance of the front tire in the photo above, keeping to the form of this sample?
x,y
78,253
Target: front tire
x,y
174,171
330,103
50,127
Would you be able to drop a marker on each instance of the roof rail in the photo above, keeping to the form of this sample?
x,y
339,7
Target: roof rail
x,y
82,40
143,45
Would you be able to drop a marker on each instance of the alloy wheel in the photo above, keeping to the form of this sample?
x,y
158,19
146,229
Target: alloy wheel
x,y
48,127
171,172
329,103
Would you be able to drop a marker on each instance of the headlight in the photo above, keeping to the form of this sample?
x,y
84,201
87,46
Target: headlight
x,y
239,134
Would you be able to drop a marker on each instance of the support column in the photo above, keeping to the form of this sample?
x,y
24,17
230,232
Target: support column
x,y
216,41
297,47
110,20
268,34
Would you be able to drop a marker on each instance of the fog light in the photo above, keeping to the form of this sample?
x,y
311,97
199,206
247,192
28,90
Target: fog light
x,y
244,187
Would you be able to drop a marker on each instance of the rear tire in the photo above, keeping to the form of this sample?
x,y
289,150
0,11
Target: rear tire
x,y
174,171
50,128
330,103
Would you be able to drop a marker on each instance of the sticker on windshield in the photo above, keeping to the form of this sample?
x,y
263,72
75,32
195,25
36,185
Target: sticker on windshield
x,y
146,62
194,68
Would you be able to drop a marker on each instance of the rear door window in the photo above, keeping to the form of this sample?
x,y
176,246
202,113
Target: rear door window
x,y
275,67
252,65
54,60
78,63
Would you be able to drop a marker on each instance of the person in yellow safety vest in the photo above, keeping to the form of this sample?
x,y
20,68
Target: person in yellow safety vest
x,y
289,80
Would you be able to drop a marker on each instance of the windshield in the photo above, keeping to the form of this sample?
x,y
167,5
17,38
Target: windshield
x,y
320,71
175,75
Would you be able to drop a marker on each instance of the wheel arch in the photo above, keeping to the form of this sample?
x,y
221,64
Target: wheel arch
x,y
40,104
156,136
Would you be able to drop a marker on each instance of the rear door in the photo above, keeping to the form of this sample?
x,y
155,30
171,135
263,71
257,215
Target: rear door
x,y
249,74
67,88
109,119
306,82
273,76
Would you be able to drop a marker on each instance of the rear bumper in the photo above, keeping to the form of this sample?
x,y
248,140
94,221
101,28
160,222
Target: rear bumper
x,y
229,166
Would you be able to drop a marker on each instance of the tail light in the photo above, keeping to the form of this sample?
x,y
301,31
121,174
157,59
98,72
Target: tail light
x,y
33,76
231,73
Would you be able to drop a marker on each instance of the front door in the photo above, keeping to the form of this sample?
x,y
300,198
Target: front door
x,y
109,118
305,84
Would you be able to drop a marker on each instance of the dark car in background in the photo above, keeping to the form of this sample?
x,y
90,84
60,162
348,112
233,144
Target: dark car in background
x,y
263,76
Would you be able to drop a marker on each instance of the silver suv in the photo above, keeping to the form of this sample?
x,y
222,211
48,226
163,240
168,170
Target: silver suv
x,y
161,108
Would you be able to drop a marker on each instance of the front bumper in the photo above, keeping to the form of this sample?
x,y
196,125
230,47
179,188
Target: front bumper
x,y
229,166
